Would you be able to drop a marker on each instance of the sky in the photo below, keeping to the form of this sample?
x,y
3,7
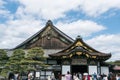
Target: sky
x,y
96,21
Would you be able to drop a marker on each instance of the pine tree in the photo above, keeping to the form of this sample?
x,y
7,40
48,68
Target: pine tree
x,y
3,60
34,59
14,62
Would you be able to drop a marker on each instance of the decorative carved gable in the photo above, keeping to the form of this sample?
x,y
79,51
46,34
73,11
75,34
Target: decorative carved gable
x,y
48,38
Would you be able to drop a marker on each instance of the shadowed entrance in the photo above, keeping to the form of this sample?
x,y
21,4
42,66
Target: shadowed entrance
x,y
79,68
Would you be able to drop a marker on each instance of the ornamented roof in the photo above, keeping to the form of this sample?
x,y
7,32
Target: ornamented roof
x,y
79,47
46,36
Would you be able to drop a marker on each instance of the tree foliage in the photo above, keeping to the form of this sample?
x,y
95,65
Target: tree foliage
x,y
3,59
34,58
117,62
14,62
22,62
36,53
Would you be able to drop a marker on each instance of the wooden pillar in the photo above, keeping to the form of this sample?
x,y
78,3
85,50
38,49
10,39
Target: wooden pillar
x,y
98,68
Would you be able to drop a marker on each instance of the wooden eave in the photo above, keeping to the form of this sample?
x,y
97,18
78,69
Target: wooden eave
x,y
80,46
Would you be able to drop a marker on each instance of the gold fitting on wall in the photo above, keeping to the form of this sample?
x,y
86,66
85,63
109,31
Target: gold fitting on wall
x,y
78,53
93,56
64,56
71,55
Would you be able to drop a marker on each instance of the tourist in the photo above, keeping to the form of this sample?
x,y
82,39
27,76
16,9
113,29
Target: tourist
x,y
63,77
11,76
59,76
103,76
99,77
48,78
113,77
85,76
68,76
52,76
118,77
17,76
75,76
30,76
80,76
94,76
110,76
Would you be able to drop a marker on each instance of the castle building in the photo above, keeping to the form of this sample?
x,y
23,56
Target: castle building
x,y
65,54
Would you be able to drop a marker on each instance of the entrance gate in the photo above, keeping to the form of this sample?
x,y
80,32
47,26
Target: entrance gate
x,y
79,68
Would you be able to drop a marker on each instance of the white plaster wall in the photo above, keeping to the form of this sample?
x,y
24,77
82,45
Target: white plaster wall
x,y
92,70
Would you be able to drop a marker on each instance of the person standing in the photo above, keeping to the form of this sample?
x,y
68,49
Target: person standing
x,y
52,76
11,76
94,76
80,76
30,76
68,76
59,76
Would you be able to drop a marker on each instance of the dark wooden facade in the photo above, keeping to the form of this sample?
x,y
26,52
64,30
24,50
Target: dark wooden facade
x,y
49,37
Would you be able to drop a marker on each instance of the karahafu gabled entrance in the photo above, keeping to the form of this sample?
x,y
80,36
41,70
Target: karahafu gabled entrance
x,y
80,57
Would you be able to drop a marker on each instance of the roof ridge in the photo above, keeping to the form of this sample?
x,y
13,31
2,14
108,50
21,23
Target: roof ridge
x,y
48,23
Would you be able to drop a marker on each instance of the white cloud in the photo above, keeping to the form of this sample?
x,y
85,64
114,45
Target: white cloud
x,y
48,9
107,43
80,27
55,9
1,3
3,11
15,32
97,7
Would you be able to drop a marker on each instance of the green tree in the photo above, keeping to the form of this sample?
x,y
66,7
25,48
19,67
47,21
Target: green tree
x,y
3,59
14,63
117,62
35,59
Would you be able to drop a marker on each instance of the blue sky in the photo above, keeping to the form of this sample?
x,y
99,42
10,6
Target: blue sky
x,y
97,21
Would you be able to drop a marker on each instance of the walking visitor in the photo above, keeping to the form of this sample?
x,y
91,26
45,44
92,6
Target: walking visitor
x,y
68,76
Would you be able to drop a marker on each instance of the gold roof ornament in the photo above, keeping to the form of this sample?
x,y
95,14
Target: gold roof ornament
x,y
93,56
71,55
87,56
78,53
64,56
78,44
